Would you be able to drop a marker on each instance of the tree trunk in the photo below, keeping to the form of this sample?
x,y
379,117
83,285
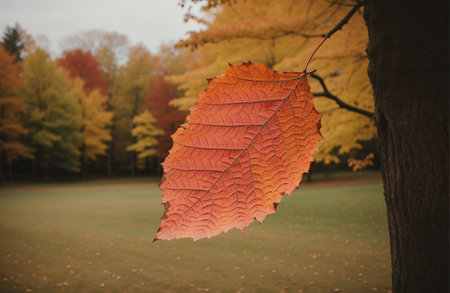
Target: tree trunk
x,y
133,164
110,159
408,54
46,170
33,168
2,175
10,171
81,159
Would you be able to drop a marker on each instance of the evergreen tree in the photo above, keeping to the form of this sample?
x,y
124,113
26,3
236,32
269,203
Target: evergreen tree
x,y
12,41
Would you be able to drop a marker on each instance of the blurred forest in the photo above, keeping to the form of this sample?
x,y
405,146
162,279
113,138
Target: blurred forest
x,y
106,107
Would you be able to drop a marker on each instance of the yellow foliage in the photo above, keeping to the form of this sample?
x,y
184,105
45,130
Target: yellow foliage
x,y
137,72
361,164
146,132
132,87
96,121
282,34
52,113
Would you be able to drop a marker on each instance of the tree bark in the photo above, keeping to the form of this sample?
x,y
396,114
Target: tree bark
x,y
2,175
408,54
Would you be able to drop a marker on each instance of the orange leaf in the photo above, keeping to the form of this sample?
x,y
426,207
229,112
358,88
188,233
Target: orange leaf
x,y
245,144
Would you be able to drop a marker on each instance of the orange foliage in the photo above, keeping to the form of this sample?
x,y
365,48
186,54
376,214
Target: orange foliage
x,y
11,107
9,74
84,65
245,144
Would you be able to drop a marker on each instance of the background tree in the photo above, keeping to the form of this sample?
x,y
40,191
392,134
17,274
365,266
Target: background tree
x,y
11,130
171,60
13,42
146,132
96,121
111,50
83,64
53,115
168,118
282,34
409,72
134,79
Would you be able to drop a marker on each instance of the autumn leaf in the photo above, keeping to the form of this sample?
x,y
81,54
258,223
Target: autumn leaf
x,y
245,144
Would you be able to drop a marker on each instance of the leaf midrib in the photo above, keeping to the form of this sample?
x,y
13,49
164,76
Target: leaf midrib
x,y
207,191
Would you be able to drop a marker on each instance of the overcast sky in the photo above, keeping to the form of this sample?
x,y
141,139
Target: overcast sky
x,y
150,22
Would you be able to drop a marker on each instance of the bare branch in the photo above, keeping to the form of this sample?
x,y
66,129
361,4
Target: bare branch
x,y
327,94
344,21
341,2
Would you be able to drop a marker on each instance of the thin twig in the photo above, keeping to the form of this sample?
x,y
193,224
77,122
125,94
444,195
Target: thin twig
x,y
340,3
339,26
344,21
312,55
326,93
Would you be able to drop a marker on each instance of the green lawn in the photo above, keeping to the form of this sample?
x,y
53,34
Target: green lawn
x,y
322,239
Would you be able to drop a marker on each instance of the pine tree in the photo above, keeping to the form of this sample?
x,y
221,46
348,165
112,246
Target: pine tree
x,y
12,41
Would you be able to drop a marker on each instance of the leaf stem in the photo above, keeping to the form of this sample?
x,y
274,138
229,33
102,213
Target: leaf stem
x,y
344,21
339,26
314,52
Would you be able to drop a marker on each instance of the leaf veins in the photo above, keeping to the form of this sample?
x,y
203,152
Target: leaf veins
x,y
245,144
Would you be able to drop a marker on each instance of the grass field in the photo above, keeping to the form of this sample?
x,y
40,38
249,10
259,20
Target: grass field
x,y
98,238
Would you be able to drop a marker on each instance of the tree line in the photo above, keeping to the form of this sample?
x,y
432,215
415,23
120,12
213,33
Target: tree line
x,y
101,107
